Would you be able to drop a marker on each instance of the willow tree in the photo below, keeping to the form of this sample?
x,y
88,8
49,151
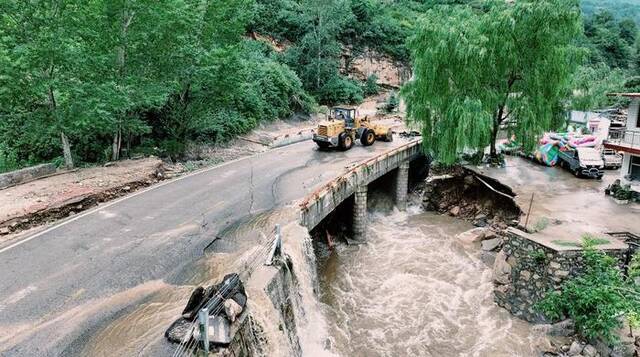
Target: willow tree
x,y
475,68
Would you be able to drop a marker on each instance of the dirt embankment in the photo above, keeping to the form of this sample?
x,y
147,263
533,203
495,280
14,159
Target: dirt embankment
x,y
467,195
55,197
391,74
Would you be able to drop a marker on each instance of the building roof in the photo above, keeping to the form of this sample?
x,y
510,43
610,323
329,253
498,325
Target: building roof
x,y
628,95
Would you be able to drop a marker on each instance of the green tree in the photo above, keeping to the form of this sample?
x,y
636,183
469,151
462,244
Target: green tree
x,y
628,31
473,70
608,40
317,55
591,84
43,57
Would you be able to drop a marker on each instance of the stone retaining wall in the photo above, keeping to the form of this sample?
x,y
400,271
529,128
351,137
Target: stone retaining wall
x,y
524,271
27,174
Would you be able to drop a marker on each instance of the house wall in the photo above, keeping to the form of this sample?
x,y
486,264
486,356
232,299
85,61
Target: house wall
x,y
626,165
579,117
632,119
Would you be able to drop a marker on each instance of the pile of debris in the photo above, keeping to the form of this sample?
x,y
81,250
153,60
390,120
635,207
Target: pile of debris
x,y
468,195
225,302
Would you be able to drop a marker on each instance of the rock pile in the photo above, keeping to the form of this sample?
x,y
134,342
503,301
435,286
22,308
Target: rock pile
x,y
490,241
461,194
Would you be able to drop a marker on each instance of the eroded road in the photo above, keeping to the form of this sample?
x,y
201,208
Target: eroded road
x,y
60,286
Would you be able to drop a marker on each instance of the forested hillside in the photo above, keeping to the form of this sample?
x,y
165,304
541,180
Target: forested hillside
x,y
88,82
619,8
612,44
104,78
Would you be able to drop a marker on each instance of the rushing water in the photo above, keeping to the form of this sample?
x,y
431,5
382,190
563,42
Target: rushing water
x,y
412,290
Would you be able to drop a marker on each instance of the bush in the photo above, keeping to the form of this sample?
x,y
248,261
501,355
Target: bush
x,y
392,103
371,87
596,300
8,160
340,90
172,148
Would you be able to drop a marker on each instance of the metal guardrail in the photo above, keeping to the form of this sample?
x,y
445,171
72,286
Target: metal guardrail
x,y
628,138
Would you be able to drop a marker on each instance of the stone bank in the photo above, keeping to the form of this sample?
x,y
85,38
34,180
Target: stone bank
x,y
527,268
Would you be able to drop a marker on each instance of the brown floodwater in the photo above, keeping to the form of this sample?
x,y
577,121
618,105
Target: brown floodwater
x,y
412,290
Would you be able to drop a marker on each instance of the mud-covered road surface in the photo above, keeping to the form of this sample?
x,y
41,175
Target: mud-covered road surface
x,y
565,207
70,282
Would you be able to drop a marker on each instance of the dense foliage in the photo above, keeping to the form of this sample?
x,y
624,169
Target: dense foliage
x,y
100,77
620,8
476,68
612,43
597,300
91,81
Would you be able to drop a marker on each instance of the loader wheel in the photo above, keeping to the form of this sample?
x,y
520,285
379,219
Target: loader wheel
x,y
368,137
345,141
389,137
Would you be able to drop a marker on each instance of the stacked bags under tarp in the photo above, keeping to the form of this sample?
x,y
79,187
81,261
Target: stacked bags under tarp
x,y
547,154
552,143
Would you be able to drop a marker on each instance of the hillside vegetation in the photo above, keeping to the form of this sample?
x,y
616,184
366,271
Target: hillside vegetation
x,y
620,8
88,82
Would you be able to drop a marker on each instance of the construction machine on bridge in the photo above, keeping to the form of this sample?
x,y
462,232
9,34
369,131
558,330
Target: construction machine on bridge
x,y
343,127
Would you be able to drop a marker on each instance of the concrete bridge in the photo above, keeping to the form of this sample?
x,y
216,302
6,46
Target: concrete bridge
x,y
355,183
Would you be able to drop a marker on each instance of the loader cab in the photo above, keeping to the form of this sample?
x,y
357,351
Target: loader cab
x,y
348,114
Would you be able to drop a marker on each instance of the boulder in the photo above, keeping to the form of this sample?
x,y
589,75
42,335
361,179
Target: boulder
x,y
472,235
489,258
455,211
589,351
562,328
491,244
575,349
501,269
232,309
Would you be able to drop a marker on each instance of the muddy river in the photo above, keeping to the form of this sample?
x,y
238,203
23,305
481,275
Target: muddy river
x,y
412,290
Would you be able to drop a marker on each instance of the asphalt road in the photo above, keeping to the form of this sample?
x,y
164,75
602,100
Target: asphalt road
x,y
59,285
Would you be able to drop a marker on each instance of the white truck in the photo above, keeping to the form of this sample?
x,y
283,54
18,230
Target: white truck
x,y
612,159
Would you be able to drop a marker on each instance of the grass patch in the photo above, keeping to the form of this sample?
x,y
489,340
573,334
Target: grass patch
x,y
566,243
541,224
587,240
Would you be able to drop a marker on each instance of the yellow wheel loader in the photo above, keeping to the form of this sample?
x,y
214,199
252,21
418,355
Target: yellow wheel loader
x,y
342,128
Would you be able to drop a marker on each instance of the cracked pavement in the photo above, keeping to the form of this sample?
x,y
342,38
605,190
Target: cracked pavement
x,y
60,286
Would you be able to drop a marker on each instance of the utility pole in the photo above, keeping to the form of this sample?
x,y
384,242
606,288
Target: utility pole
x,y
203,318
276,248
526,223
